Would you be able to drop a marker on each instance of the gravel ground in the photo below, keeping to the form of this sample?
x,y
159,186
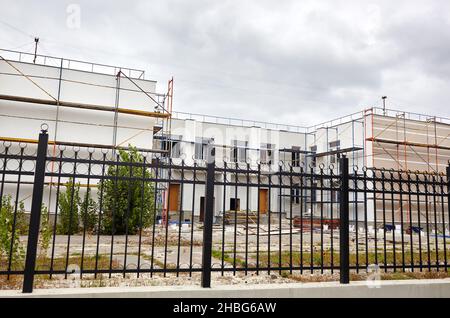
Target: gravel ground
x,y
170,280
130,280
171,254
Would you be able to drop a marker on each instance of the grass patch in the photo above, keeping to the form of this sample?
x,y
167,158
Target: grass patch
x,y
103,262
59,264
228,258
325,259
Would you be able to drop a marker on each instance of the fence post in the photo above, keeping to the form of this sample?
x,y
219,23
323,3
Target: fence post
x,y
208,220
35,217
344,223
448,195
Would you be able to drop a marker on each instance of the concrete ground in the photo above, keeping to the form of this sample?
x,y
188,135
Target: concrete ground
x,y
171,255
435,288
237,241
240,240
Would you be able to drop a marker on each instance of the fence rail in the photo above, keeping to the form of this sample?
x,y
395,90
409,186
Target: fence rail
x,y
124,212
72,64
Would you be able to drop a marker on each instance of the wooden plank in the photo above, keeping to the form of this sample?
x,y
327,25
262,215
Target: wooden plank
x,y
84,106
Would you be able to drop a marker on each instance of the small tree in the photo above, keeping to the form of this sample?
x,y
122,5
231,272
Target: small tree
x,y
7,237
127,204
88,212
68,203
45,231
21,221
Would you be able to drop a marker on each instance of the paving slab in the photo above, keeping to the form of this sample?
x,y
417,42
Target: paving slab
x,y
426,288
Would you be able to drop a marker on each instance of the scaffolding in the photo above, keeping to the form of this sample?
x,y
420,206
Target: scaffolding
x,y
403,142
374,137
420,144
161,112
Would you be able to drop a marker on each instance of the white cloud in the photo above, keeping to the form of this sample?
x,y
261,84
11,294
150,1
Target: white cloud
x,y
295,62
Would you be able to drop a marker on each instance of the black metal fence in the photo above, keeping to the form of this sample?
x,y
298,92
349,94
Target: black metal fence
x,y
116,213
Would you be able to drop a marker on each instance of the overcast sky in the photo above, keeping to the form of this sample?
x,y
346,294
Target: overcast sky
x,y
293,62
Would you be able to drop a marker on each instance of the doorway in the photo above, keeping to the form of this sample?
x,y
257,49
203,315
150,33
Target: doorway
x,y
235,204
174,195
263,201
202,208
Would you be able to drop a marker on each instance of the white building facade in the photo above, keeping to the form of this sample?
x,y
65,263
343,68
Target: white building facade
x,y
90,105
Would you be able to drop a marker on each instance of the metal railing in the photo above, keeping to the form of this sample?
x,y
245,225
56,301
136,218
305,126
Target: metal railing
x,y
410,115
238,122
359,115
71,64
96,213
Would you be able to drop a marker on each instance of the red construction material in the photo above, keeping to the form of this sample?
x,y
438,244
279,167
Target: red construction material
x,y
316,222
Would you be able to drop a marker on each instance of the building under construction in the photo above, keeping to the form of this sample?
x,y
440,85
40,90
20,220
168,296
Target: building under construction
x,y
92,105
83,104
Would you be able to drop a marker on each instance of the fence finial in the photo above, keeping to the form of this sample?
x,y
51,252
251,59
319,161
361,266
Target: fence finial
x,y
44,128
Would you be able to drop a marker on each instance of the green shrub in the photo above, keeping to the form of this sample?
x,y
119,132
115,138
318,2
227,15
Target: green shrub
x,y
68,203
21,220
88,212
17,253
127,200
45,231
